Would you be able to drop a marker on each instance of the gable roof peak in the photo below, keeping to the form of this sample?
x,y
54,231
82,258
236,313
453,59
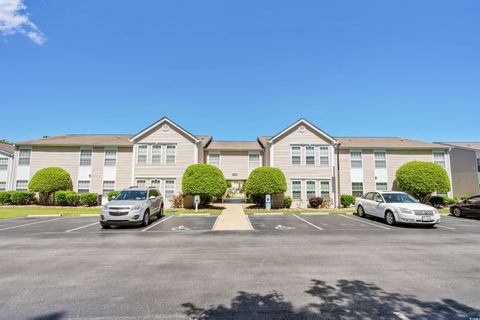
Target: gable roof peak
x,y
307,123
158,123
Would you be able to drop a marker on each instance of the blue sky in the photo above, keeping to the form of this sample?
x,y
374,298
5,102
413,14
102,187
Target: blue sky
x,y
238,69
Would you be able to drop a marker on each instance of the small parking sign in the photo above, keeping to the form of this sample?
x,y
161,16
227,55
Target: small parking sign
x,y
196,199
268,202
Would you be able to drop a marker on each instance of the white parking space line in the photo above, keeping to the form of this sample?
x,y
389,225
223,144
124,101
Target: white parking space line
x,y
450,228
366,222
88,225
29,224
307,222
401,316
448,218
158,222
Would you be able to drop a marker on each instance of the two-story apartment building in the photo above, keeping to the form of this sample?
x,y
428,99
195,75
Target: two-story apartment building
x,y
6,166
314,162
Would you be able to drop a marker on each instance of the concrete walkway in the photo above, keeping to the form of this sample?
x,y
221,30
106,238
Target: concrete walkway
x,y
233,218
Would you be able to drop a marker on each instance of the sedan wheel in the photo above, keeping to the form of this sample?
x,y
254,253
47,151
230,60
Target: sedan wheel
x,y
146,219
361,212
457,212
390,218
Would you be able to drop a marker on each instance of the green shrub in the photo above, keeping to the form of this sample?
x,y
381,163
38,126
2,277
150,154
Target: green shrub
x,y
73,199
229,184
437,201
5,197
47,181
61,197
263,181
287,202
421,179
22,197
204,180
464,197
112,194
89,199
347,200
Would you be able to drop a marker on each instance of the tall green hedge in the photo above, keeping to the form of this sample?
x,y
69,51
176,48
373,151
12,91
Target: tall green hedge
x,y
421,179
204,180
49,180
263,181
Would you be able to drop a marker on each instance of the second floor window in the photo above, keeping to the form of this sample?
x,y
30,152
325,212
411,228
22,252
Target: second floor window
x,y
253,161
324,156
24,157
156,154
380,159
171,153
214,159
142,154
110,157
356,159
439,158
296,155
3,164
310,155
85,157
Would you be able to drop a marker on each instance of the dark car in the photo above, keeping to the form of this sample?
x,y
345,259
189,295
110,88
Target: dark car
x,y
467,207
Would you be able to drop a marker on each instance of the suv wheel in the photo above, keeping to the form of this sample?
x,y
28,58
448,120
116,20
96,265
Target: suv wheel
x,y
105,226
160,213
390,218
146,218
457,212
361,212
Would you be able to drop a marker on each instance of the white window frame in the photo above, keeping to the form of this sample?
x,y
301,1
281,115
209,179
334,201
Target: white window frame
x,y
160,148
214,153
142,146
250,167
377,183
78,186
23,181
307,182
144,184
375,152
175,154
83,149
153,183
299,155
300,184
442,163
4,163
328,190
20,157
361,159
165,189
312,148
327,155
106,191
106,158
363,188
3,185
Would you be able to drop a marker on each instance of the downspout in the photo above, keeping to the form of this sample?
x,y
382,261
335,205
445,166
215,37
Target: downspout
x,y
338,175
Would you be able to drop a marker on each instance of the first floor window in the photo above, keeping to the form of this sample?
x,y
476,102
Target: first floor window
x,y
110,157
297,190
356,159
325,189
171,152
85,157
380,159
3,164
214,159
253,161
311,189
381,186
83,186
24,157
296,155
141,183
439,158
169,189
108,186
324,156
22,185
155,183
142,154
156,154
3,185
310,155
357,189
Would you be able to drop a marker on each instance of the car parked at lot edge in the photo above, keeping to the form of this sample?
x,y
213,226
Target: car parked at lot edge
x,y
467,207
132,206
396,207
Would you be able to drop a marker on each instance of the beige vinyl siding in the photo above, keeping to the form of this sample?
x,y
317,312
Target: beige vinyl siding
x,y
368,170
124,168
345,181
67,158
96,177
234,162
464,172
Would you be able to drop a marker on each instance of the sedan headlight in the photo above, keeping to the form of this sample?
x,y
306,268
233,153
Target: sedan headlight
x,y
405,210
136,207
105,207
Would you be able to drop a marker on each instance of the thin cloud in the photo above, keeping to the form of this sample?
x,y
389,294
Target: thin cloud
x,y
15,19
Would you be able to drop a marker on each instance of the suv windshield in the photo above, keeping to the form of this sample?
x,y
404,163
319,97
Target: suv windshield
x,y
398,198
132,195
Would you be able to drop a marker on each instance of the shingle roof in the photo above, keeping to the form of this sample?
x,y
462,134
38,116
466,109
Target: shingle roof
x,y
120,140
263,140
466,145
205,140
385,142
234,145
8,148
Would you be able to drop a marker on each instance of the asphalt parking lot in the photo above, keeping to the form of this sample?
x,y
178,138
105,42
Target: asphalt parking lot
x,y
290,267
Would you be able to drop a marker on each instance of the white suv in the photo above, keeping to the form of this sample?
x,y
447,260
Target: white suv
x,y
396,207
132,206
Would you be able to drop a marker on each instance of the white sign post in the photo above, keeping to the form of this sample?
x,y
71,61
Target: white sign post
x,y
268,202
196,199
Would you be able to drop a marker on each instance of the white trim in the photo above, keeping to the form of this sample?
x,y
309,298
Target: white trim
x,y
260,160
374,163
219,158
158,124
306,123
271,156
350,157
195,153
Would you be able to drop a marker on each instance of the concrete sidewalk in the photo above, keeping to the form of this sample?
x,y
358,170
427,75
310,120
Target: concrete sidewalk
x,y
233,218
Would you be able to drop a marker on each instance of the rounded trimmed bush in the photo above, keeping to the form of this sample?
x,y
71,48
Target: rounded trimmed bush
x,y
204,180
89,199
287,202
347,200
421,179
47,181
265,180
